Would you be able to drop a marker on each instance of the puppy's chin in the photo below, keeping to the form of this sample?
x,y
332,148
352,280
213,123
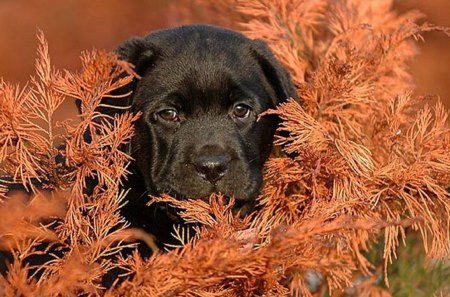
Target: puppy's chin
x,y
244,192
241,207
183,196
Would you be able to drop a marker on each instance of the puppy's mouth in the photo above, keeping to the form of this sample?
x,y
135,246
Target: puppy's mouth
x,y
241,207
205,197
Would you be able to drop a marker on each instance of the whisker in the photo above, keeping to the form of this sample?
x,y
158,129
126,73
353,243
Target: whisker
x,y
136,150
254,159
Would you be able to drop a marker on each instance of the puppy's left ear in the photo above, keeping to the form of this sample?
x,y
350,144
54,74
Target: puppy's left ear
x,y
278,77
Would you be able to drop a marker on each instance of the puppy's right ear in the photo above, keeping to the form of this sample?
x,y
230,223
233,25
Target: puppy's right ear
x,y
137,51
141,54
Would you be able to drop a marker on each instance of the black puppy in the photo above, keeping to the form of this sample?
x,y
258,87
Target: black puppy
x,y
200,95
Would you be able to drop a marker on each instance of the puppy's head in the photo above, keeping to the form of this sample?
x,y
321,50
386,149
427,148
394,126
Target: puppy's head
x,y
200,95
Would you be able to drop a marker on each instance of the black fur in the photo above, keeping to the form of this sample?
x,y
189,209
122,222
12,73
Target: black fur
x,y
202,72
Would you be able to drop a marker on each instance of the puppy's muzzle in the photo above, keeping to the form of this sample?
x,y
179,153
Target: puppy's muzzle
x,y
211,162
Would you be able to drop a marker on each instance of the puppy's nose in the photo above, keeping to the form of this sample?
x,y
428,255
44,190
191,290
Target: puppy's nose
x,y
212,165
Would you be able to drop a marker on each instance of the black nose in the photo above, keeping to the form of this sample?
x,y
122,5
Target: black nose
x,y
211,163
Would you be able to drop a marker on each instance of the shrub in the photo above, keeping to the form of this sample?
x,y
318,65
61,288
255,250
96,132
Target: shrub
x,y
364,160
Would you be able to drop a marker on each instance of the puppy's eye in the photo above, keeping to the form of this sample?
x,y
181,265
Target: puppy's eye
x,y
169,115
241,111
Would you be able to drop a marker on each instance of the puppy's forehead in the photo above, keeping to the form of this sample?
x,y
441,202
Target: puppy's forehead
x,y
209,57
199,40
205,69
206,83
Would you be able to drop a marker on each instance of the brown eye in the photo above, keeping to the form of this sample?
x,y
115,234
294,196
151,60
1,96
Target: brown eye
x,y
241,111
169,115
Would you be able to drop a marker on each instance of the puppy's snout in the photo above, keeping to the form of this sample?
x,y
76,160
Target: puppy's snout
x,y
211,162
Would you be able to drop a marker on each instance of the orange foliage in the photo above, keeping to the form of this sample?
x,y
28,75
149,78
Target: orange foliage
x,y
364,160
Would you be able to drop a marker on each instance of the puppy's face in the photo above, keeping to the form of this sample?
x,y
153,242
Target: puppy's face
x,y
200,95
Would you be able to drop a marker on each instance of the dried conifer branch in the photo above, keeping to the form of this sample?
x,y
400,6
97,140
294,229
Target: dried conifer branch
x,y
91,230
20,139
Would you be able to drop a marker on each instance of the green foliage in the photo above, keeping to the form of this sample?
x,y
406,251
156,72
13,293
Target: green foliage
x,y
413,275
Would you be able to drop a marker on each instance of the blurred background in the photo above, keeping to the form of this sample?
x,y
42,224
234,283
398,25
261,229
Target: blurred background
x,y
74,25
